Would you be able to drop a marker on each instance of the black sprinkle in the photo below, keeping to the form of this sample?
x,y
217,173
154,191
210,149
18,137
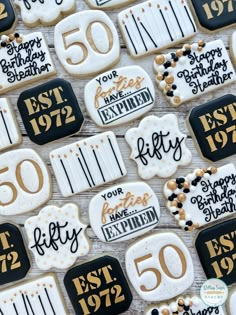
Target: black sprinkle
x,y
194,183
180,186
209,172
187,52
186,307
155,312
170,93
180,180
17,35
186,190
198,178
166,73
173,55
179,205
176,212
3,44
176,59
170,198
174,87
186,228
167,64
189,223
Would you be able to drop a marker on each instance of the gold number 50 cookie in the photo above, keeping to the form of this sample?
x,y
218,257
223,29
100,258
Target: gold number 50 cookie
x,y
87,43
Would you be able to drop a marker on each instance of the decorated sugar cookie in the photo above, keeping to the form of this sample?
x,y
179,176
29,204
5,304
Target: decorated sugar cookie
x,y
193,71
57,237
15,262
202,197
25,183
124,211
216,248
233,47
213,126
37,296
8,18
184,306
108,4
215,15
10,134
159,266
87,43
28,55
98,287
158,147
156,24
46,12
50,111
119,96
87,163
232,301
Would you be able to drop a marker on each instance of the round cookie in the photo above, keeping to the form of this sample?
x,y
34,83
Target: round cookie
x,y
25,182
202,197
159,266
45,12
57,237
158,147
151,26
8,19
124,211
119,96
231,301
87,43
194,70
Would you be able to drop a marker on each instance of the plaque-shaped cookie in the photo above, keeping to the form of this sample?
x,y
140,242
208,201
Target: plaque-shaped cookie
x,y
202,197
8,18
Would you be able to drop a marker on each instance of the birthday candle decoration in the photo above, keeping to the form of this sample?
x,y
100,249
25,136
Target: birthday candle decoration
x,y
9,130
37,297
87,163
153,25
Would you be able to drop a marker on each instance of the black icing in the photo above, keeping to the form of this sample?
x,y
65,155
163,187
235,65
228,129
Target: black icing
x,y
92,279
50,111
7,16
215,19
14,264
216,247
211,123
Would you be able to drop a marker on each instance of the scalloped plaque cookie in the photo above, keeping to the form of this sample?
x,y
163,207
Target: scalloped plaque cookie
x,y
46,12
232,301
158,147
153,25
25,182
39,296
124,211
88,163
57,237
10,134
184,306
193,71
87,43
119,96
24,59
202,197
108,4
159,266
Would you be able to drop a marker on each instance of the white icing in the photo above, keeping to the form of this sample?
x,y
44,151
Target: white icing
x,y
215,190
36,295
87,163
107,4
18,191
150,26
197,307
162,160
82,48
44,11
146,268
53,221
212,67
9,130
111,102
232,302
124,211
37,62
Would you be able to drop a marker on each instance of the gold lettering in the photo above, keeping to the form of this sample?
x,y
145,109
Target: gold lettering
x,y
106,273
214,248
32,105
207,122
93,278
4,240
80,285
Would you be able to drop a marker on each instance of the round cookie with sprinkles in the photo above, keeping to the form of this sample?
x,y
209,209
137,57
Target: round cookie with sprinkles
x,y
180,75
193,200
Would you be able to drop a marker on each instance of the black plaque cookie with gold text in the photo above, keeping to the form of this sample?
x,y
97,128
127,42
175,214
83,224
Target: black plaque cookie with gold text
x,y
50,111
214,127
216,247
98,287
7,17
14,261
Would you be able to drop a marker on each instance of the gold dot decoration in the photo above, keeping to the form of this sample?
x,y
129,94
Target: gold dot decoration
x,y
160,59
214,170
159,77
199,173
179,53
172,184
169,79
177,100
181,197
165,312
